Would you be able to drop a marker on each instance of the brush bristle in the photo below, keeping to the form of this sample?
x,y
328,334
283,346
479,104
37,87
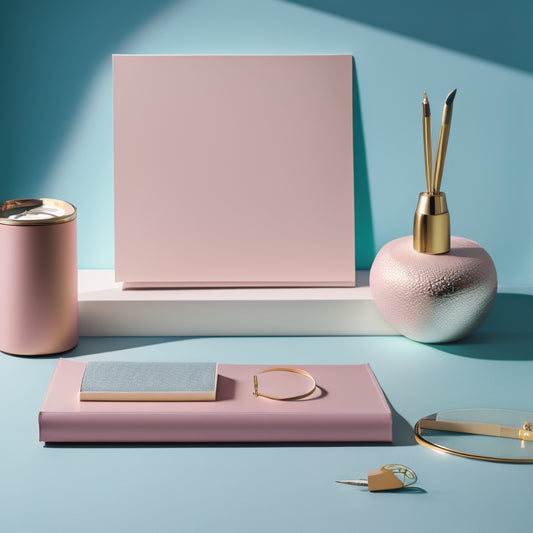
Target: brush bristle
x,y
450,97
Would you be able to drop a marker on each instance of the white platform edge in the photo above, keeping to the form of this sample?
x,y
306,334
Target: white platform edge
x,y
107,310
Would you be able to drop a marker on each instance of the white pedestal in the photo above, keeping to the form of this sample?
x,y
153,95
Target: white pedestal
x,y
105,309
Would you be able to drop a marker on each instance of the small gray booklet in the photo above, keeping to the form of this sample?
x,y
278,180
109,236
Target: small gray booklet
x,y
149,382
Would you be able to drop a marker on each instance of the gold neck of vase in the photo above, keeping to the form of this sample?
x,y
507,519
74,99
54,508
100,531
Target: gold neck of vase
x,y
431,229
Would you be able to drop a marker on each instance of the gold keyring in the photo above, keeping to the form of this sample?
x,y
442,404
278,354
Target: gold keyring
x,y
282,369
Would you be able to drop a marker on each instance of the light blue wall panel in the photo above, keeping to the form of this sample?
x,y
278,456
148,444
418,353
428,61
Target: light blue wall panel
x,y
56,103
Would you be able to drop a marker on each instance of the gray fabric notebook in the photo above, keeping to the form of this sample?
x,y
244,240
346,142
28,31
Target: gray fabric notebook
x,y
131,381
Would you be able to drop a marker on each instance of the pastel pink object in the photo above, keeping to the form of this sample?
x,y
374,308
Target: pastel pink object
x,y
348,406
39,288
434,298
233,171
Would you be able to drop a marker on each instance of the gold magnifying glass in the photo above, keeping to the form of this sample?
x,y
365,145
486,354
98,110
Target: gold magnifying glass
x,y
489,434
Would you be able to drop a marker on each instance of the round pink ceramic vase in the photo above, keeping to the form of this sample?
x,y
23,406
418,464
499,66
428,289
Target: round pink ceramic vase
x,y
433,298
38,277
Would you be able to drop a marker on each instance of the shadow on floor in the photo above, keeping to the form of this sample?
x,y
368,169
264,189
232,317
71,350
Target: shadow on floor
x,y
506,335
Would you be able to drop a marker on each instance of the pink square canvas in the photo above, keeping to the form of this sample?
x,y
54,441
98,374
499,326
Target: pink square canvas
x,y
233,171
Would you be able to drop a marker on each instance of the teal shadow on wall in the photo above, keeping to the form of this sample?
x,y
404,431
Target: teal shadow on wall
x,y
49,54
491,30
364,233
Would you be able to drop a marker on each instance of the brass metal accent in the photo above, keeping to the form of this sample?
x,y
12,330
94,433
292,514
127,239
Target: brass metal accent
x,y
426,127
256,392
443,141
22,205
478,428
431,228
385,478
426,423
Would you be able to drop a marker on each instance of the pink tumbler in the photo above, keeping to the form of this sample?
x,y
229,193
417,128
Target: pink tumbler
x,y
38,277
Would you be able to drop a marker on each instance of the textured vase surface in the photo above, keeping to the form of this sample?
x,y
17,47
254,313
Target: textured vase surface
x,y
434,298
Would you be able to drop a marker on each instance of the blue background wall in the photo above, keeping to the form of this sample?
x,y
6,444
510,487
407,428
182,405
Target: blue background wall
x,y
56,103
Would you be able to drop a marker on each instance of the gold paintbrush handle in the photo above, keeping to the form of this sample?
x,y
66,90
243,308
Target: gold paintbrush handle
x,y
441,156
443,141
426,127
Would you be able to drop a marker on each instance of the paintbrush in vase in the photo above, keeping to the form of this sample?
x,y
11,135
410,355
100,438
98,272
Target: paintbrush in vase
x,y
443,142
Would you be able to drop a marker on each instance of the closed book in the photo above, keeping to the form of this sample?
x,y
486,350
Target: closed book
x,y
348,405
123,381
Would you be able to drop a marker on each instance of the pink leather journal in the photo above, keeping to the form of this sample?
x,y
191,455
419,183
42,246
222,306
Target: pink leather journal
x,y
348,406
233,171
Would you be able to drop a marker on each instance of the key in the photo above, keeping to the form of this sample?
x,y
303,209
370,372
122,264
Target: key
x,y
388,477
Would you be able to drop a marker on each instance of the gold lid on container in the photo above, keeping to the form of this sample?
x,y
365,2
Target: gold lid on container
x,y
36,212
431,230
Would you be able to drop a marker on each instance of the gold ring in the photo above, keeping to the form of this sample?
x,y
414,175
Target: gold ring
x,y
282,369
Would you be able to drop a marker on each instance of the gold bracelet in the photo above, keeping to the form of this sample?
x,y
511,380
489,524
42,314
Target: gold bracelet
x,y
282,369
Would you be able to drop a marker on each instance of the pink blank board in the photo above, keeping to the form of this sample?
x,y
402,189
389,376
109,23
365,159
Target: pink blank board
x,y
233,171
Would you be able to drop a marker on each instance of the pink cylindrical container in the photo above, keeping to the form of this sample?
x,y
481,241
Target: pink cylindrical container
x,y
38,277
